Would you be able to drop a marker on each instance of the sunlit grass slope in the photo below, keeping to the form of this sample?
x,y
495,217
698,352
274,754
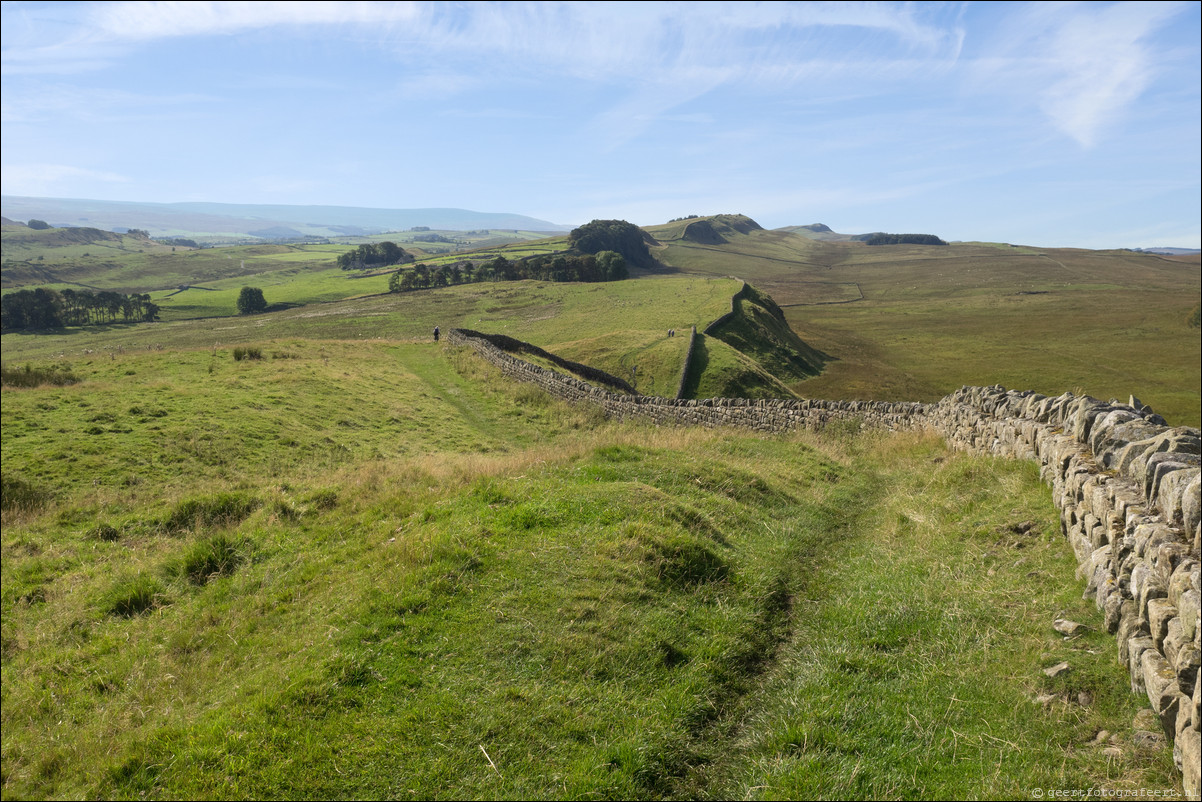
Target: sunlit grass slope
x,y
914,323
615,326
380,569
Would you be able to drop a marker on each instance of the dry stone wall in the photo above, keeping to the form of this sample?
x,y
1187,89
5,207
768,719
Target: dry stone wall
x,y
1128,487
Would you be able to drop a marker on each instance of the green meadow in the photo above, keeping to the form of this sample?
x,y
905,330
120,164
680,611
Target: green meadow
x,y
379,569
313,554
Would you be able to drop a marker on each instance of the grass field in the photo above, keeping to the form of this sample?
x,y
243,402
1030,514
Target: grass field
x,y
378,569
914,323
908,323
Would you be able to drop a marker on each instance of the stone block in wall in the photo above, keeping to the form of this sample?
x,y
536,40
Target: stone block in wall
x,y
1131,627
1160,613
1189,748
1125,497
1186,663
1160,684
1112,608
1166,557
1184,717
1132,458
1162,465
1116,528
1183,579
1098,560
1146,585
1191,505
1081,415
1080,543
1135,651
1196,716
1187,605
1148,536
1174,640
1114,429
1173,494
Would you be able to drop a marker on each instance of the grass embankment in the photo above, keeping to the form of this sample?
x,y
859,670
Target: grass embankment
x,y
383,610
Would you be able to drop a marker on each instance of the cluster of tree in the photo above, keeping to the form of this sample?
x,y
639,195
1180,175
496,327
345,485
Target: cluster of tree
x,y
137,232
374,254
900,239
43,308
251,301
613,235
686,217
604,266
431,238
38,225
180,241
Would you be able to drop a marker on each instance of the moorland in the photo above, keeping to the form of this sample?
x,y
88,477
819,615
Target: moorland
x,y
313,553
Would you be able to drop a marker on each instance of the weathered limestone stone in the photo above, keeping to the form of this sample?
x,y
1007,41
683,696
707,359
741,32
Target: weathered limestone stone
x,y
1188,613
1131,628
1160,612
1174,640
1136,647
1186,665
1191,505
1187,753
1112,608
1160,682
1066,627
1170,496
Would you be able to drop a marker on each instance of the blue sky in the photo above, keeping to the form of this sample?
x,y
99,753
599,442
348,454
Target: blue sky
x,y
1054,124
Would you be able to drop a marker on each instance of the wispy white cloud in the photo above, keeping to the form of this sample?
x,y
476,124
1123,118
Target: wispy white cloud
x,y
1082,65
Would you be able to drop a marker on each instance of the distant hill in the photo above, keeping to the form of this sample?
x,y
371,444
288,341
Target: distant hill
x,y
255,220
819,231
1169,251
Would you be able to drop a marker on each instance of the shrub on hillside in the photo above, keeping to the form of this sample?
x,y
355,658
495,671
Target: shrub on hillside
x,y
30,376
210,558
247,353
134,596
223,509
18,494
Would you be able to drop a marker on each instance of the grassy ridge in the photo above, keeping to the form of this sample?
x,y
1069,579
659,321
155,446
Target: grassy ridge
x,y
913,323
615,326
514,599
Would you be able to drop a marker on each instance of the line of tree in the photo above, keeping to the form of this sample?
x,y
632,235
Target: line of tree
x,y
879,238
182,242
44,308
604,266
374,254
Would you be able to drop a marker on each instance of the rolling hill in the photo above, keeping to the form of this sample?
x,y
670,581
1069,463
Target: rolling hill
x,y
311,553
233,220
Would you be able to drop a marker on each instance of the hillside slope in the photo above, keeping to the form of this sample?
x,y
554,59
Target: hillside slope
x,y
377,569
913,323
